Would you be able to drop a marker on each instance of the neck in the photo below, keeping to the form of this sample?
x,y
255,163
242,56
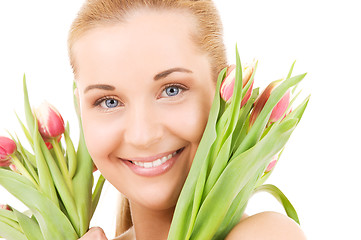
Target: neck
x,y
151,224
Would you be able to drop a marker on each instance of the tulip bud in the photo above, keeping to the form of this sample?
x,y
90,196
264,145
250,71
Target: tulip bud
x,y
227,86
7,147
5,207
280,107
14,168
277,112
51,124
272,164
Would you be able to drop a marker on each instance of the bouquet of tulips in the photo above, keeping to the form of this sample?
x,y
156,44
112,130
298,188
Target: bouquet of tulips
x,y
53,180
243,140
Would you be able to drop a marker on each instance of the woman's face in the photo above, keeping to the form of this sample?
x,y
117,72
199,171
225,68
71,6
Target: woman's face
x,y
145,92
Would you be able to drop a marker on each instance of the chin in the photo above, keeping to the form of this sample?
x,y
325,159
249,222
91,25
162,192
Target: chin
x,y
161,196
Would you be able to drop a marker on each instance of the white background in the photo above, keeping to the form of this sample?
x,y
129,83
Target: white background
x,y
320,166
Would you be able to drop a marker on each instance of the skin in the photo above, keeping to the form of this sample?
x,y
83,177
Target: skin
x,y
159,92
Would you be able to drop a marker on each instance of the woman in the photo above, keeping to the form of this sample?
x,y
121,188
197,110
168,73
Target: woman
x,y
146,73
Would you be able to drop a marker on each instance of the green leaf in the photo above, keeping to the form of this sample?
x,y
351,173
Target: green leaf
x,y
290,210
291,70
221,157
243,169
26,131
53,223
29,161
235,211
8,214
82,184
45,180
70,150
183,216
10,222
256,130
75,101
97,193
28,112
297,113
243,122
29,225
10,233
58,180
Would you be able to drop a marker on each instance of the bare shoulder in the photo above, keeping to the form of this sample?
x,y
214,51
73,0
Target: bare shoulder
x,y
266,226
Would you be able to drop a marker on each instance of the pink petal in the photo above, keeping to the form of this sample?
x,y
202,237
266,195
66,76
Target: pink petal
x,y
51,124
247,95
5,207
228,85
7,147
5,163
280,108
271,165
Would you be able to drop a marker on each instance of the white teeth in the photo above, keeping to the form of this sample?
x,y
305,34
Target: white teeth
x,y
148,164
141,164
164,159
155,163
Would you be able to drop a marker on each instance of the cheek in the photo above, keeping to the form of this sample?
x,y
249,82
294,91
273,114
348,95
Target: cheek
x,y
99,138
190,121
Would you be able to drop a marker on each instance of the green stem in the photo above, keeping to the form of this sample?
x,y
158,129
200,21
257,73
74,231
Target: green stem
x,y
62,164
22,170
70,150
29,160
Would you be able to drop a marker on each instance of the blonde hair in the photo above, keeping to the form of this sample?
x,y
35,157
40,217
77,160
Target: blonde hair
x,y
209,39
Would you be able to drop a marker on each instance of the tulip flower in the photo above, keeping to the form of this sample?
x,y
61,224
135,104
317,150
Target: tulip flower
x,y
228,83
280,108
272,164
14,168
7,148
51,124
5,207
277,112
5,163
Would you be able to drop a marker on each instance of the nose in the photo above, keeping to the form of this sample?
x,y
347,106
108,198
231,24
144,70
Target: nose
x,y
143,127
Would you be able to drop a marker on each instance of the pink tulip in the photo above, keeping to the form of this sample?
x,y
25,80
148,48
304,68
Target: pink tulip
x,y
7,148
280,108
272,164
5,207
51,124
228,83
13,168
277,112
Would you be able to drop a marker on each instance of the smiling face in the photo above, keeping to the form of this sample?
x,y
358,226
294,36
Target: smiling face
x,y
145,91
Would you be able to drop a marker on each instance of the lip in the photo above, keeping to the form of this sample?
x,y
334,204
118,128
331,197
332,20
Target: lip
x,y
153,171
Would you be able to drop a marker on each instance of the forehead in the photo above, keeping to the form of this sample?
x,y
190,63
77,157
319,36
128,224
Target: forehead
x,y
146,36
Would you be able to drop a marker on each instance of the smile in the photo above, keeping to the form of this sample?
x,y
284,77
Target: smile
x,y
155,163
153,166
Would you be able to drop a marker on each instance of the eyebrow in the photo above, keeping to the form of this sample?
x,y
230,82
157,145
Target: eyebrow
x,y
158,76
169,71
99,86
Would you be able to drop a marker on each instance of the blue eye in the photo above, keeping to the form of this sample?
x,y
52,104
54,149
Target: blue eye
x,y
111,103
108,103
172,91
